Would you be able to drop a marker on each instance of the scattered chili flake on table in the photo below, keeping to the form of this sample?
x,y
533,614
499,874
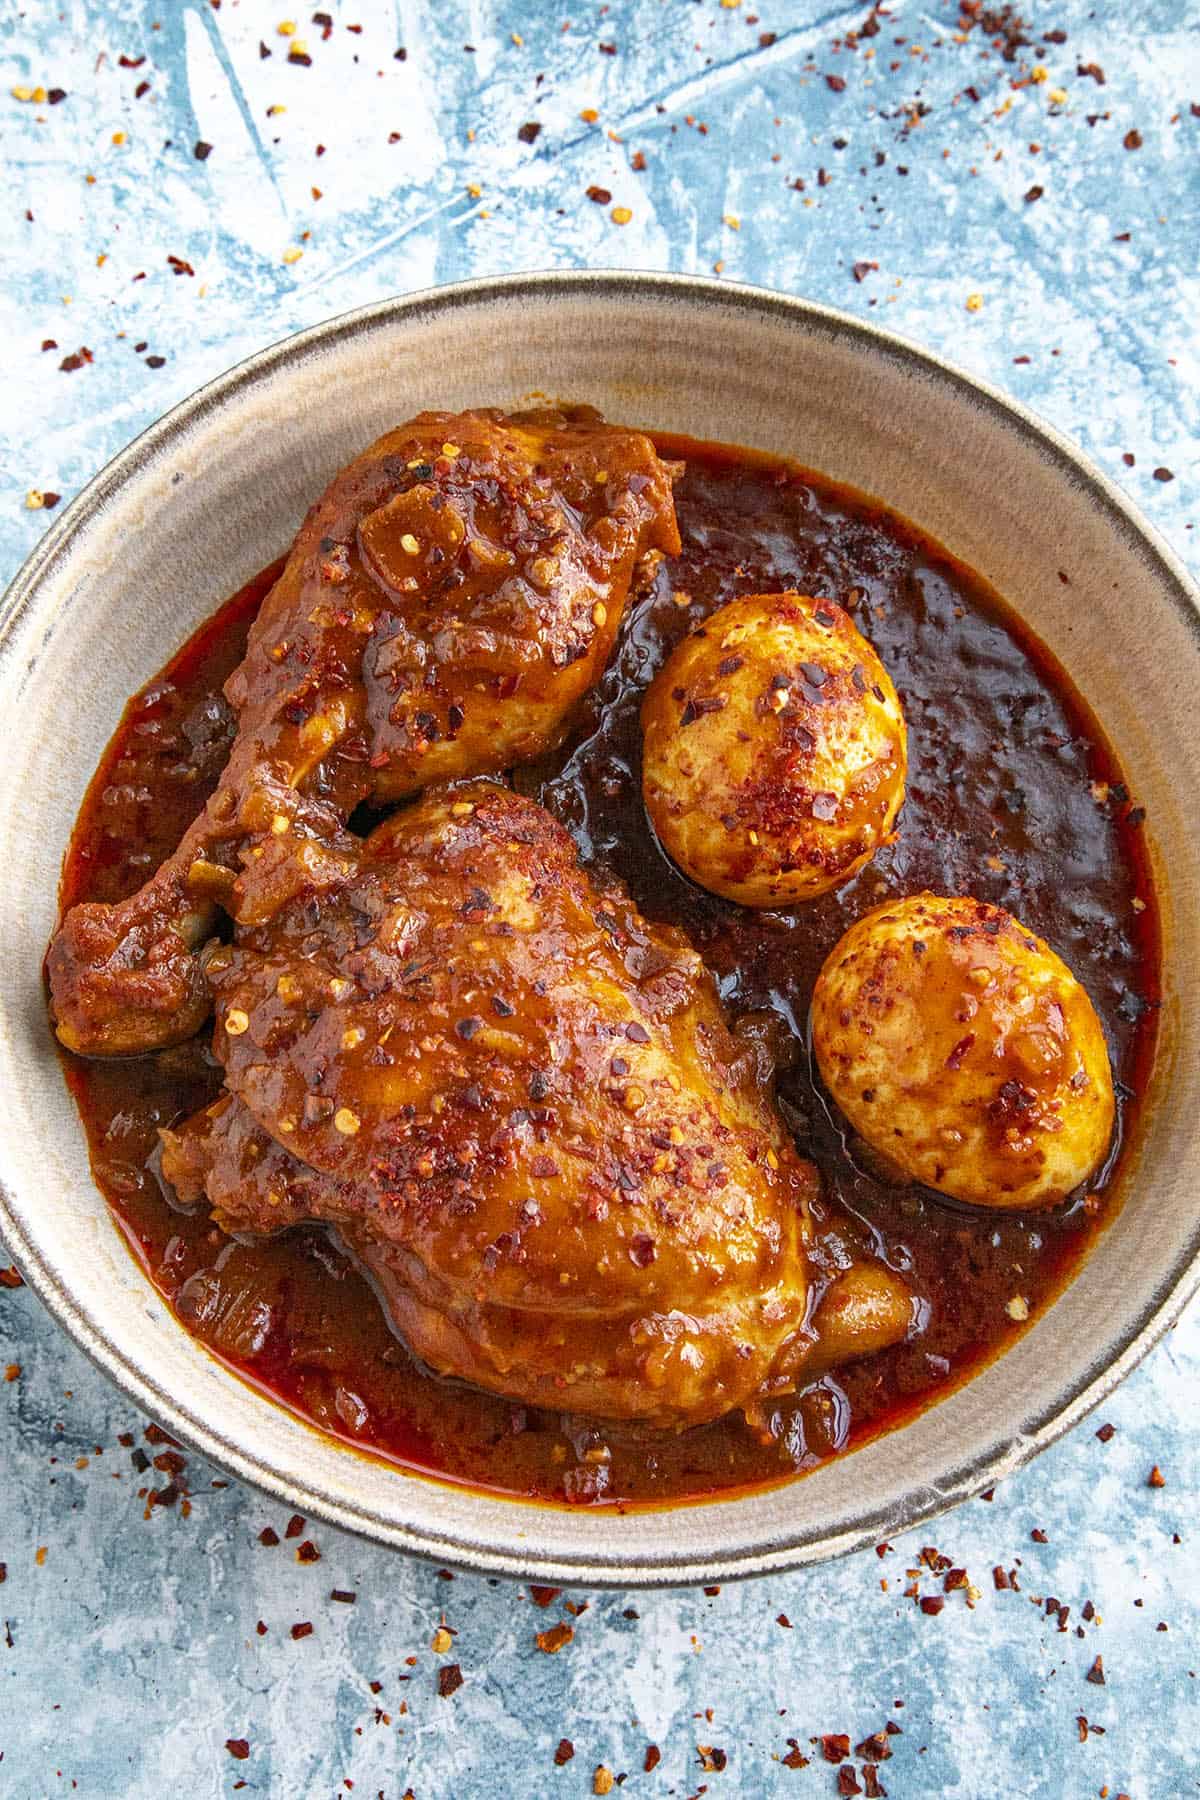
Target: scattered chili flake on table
x,y
268,1536
1156,1478
449,1680
835,1746
863,269
847,1780
795,1758
1096,1673
346,1596
555,1639
302,1630
543,1596
294,1526
564,1752
713,1760
1161,474
652,1758
238,1748
1106,1433
1132,140
530,132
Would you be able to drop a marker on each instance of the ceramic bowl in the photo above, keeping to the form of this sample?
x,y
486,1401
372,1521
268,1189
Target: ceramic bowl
x,y
211,494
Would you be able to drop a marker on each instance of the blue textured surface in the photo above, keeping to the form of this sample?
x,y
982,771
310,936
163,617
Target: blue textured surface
x,y
131,1652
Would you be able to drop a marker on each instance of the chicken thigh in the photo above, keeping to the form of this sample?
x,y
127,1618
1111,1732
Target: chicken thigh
x,y
445,604
521,1107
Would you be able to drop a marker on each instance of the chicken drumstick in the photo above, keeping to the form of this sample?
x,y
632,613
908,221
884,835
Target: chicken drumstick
x,y
445,604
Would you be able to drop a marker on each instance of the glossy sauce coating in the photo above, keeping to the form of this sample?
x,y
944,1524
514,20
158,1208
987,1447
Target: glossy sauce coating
x,y
1012,796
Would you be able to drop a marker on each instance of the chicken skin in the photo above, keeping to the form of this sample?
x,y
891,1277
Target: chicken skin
x,y
446,603
521,1107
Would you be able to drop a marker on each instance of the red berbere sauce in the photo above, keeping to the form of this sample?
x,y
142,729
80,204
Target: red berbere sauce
x,y
1013,796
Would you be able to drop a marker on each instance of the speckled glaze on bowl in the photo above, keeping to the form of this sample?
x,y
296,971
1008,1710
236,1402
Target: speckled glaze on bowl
x,y
212,493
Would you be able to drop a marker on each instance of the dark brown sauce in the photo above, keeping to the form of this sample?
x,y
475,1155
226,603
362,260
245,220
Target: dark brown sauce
x,y
1006,801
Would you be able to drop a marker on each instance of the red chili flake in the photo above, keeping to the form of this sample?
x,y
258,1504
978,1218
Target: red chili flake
x,y
1032,194
530,132
261,1629
556,1638
180,266
143,87
302,1630
835,1746
300,56
1039,1536
823,177
767,38
449,1680
607,49
1156,1478
155,362
76,360
637,162
1161,474
1092,69
600,195
784,1621
345,1596
795,1758
308,1552
847,1781
642,1251
955,1579
543,1596
1106,1433
1000,1577
12,1277
932,1603
863,269
326,23
713,1759
268,1536
652,1758
50,500
1132,140
238,1748
1096,1673
3,1572
294,1526
56,96
564,1753
874,1788
201,151
130,62
875,1748
836,82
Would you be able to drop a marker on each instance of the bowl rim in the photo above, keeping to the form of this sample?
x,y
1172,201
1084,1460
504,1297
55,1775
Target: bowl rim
x,y
1079,1396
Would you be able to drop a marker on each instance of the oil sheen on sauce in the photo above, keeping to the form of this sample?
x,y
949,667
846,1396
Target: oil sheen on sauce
x,y
1013,796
